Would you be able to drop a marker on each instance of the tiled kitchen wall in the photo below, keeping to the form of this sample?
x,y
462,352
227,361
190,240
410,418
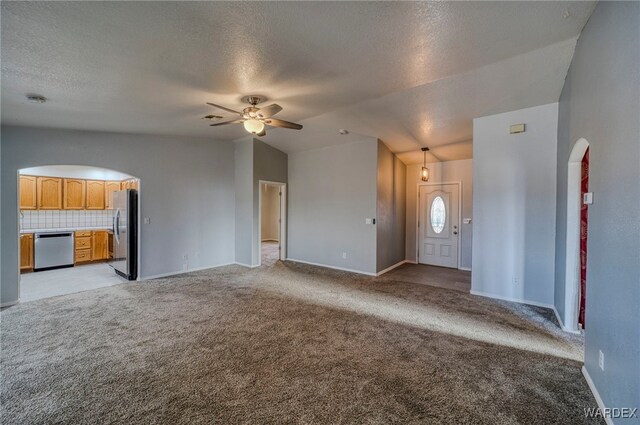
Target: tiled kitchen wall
x,y
41,219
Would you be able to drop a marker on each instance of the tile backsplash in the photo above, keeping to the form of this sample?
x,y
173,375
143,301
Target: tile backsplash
x,y
45,219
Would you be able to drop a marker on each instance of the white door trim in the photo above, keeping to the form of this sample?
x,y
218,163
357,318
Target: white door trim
x,y
459,183
283,218
572,245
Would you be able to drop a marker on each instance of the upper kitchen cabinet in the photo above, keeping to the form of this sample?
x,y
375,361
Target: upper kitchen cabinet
x,y
130,184
28,199
95,195
109,188
49,191
74,194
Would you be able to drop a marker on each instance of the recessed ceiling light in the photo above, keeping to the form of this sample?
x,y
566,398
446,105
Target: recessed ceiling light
x,y
36,98
343,132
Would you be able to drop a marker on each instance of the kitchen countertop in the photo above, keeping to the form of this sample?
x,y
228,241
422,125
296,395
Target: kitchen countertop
x,y
63,229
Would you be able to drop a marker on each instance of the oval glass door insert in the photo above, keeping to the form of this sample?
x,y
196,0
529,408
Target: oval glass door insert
x,y
438,214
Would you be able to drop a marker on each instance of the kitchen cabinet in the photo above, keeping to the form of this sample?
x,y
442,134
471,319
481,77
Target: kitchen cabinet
x,y
49,191
109,188
95,195
91,246
99,241
82,250
130,184
109,245
26,252
74,194
28,193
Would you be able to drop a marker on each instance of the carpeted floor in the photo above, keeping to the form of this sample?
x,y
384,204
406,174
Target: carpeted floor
x,y
288,343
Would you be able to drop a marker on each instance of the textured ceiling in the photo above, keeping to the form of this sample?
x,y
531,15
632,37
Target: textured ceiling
x,y
409,73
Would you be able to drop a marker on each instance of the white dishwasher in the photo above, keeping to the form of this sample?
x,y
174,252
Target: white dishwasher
x,y
53,250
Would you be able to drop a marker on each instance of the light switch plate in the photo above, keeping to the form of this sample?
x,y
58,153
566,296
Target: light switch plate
x,y
466,221
516,128
367,221
587,198
147,220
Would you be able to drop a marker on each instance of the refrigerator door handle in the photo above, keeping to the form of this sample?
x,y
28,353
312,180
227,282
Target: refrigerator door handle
x,y
116,226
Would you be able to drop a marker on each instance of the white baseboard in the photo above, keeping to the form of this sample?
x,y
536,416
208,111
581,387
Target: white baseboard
x,y
595,393
10,303
331,267
411,262
157,276
564,328
466,269
388,269
515,300
246,265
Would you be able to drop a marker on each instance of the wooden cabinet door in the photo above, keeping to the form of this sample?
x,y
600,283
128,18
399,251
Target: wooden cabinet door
x,y
26,251
99,245
74,194
109,188
28,200
95,195
49,190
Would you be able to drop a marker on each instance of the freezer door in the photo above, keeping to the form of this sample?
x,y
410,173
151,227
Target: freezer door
x,y
120,232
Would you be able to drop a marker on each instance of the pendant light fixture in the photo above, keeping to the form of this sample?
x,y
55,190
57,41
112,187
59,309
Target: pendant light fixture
x,y
424,175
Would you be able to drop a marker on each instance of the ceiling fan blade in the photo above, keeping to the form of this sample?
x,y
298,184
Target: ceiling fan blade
x,y
269,111
227,122
223,108
282,123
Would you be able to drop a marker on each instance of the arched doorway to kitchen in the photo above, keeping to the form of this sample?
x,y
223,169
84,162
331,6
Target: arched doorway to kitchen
x,y
78,229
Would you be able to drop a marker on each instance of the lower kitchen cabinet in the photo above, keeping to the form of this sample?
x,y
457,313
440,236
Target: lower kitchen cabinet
x,y
82,250
99,242
91,246
26,252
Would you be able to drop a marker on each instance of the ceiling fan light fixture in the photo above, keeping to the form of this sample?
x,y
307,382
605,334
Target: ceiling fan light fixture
x,y
253,126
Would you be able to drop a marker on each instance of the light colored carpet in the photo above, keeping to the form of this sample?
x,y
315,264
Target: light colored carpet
x,y
289,343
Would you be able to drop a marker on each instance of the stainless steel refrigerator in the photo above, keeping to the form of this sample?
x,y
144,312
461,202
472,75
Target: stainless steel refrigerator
x,y
125,233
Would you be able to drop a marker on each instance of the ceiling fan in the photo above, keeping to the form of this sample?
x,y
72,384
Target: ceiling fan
x,y
253,118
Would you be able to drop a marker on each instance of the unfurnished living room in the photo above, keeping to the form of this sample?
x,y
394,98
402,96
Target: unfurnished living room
x,y
320,212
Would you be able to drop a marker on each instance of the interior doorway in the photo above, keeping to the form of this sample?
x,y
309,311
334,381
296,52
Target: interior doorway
x,y
439,224
272,222
74,234
576,239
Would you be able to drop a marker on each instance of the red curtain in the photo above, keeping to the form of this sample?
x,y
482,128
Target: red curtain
x,y
584,215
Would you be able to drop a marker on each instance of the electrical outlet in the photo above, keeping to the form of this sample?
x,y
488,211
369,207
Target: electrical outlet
x,y
344,255
601,359
516,281
184,257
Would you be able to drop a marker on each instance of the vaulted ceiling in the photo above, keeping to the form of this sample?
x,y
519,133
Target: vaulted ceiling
x,y
412,74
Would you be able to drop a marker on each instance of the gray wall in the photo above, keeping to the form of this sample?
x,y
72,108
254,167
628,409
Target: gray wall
x,y
269,164
600,101
514,204
448,171
391,215
243,157
331,192
187,190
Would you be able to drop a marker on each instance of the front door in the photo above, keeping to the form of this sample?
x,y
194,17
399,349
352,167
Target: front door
x,y
438,225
